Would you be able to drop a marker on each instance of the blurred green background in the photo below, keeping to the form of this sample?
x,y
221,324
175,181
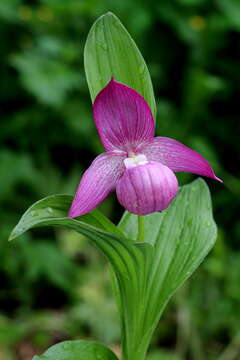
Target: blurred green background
x,y
55,284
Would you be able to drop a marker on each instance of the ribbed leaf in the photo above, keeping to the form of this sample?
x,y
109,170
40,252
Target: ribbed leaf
x,y
146,274
128,260
57,206
53,210
111,52
77,350
181,236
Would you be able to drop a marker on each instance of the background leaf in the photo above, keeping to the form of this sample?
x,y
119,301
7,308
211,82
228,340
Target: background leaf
x,y
77,350
111,52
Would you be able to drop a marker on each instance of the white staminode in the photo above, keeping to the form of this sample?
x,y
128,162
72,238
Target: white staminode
x,y
135,161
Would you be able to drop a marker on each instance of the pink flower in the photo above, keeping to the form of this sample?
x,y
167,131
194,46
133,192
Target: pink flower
x,y
138,165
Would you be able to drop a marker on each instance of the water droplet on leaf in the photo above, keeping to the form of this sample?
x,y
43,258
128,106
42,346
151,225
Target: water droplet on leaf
x,y
104,46
141,69
117,24
49,210
34,213
65,346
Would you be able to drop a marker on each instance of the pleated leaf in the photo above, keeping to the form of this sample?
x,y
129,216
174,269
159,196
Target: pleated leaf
x,y
57,206
52,211
77,350
111,52
181,237
128,259
146,274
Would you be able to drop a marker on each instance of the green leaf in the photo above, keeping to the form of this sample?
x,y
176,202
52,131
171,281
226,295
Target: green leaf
x,y
128,260
56,207
181,236
111,52
163,355
146,274
231,9
77,350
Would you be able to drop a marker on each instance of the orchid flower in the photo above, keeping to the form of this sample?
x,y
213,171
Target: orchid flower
x,y
138,165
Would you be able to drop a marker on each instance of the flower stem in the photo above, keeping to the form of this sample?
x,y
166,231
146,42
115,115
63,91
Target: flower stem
x,y
140,236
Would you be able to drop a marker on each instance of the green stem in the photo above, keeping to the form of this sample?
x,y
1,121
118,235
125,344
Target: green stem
x,y
131,352
140,236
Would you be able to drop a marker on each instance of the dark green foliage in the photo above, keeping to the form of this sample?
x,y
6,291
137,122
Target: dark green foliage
x,y
52,281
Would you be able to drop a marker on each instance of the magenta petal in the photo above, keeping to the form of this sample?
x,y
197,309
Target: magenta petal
x,y
148,188
122,116
177,157
97,182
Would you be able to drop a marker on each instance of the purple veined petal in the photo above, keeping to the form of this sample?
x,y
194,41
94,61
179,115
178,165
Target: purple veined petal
x,y
122,116
148,188
177,157
97,182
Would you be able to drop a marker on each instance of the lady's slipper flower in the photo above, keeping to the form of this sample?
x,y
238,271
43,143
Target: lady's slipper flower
x,y
138,165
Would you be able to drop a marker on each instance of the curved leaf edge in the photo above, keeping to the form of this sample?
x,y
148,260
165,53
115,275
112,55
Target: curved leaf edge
x,y
100,221
74,348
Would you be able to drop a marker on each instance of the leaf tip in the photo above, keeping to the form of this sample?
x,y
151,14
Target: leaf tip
x,y
12,236
109,13
200,182
16,232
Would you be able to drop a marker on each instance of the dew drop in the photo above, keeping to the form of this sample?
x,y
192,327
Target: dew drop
x,y
117,24
49,210
65,346
104,46
141,69
34,213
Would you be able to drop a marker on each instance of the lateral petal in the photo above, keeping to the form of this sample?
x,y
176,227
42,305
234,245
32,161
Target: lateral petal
x,y
122,116
148,188
177,157
97,182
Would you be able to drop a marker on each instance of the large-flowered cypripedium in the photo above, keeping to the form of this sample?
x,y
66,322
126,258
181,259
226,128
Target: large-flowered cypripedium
x,y
138,165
